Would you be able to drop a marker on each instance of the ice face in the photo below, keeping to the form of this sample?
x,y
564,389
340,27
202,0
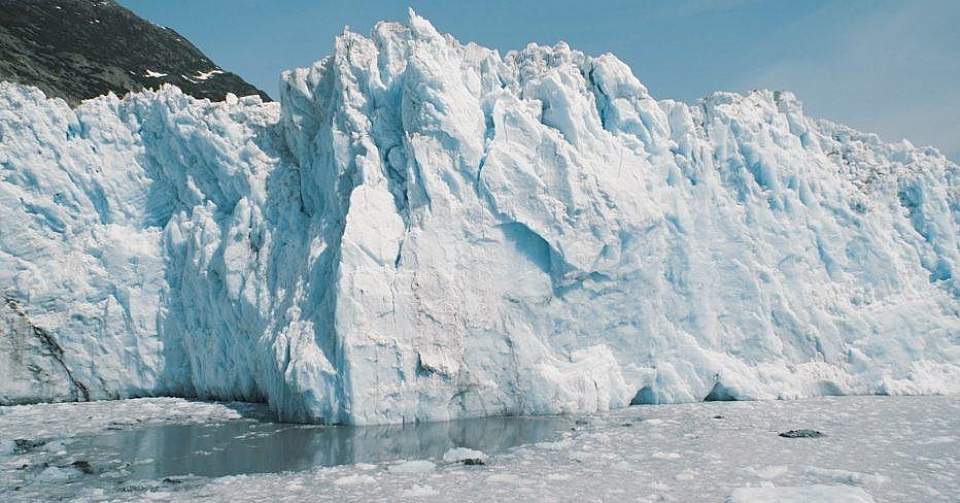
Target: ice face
x,y
426,230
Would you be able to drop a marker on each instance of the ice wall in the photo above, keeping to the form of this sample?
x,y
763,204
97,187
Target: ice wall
x,y
425,230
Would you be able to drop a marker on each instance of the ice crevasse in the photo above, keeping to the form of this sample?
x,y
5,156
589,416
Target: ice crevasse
x,y
427,230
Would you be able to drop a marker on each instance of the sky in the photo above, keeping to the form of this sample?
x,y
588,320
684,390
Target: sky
x,y
883,66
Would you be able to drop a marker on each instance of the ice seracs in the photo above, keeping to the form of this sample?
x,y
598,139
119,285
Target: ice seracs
x,y
427,230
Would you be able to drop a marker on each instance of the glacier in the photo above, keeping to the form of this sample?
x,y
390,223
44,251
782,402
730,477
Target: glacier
x,y
426,230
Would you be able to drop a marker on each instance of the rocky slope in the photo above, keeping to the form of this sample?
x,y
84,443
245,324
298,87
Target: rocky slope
x,y
79,49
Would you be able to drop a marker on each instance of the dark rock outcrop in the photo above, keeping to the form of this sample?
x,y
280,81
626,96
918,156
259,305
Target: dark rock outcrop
x,y
79,49
31,362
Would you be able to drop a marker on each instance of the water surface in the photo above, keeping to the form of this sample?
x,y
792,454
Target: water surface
x,y
256,446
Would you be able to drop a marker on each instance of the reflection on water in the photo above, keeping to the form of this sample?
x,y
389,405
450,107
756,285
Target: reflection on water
x,y
251,446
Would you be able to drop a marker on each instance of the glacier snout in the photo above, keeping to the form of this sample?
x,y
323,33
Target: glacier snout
x,y
426,230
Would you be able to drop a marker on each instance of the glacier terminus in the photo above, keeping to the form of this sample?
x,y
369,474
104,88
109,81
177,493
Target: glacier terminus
x,y
425,230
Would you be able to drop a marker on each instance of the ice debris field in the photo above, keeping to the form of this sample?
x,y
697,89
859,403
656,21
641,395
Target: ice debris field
x,y
425,230
871,449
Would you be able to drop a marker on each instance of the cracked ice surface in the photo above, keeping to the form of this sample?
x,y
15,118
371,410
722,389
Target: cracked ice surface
x,y
71,419
429,230
883,449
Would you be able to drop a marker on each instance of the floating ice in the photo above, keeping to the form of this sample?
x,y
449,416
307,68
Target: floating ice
x,y
821,493
458,454
414,466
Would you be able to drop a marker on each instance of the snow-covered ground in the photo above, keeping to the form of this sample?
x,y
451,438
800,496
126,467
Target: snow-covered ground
x,y
872,449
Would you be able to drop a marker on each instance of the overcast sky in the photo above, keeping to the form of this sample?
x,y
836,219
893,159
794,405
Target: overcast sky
x,y
885,66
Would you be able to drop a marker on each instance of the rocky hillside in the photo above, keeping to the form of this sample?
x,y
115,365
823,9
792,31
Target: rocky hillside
x,y
78,49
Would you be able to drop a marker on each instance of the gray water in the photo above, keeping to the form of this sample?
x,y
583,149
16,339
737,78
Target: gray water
x,y
256,446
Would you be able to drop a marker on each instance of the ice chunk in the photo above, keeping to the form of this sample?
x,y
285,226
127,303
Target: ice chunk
x,y
414,466
57,474
418,491
355,479
458,454
802,494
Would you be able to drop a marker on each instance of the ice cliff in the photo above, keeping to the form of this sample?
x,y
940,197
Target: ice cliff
x,y
426,230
